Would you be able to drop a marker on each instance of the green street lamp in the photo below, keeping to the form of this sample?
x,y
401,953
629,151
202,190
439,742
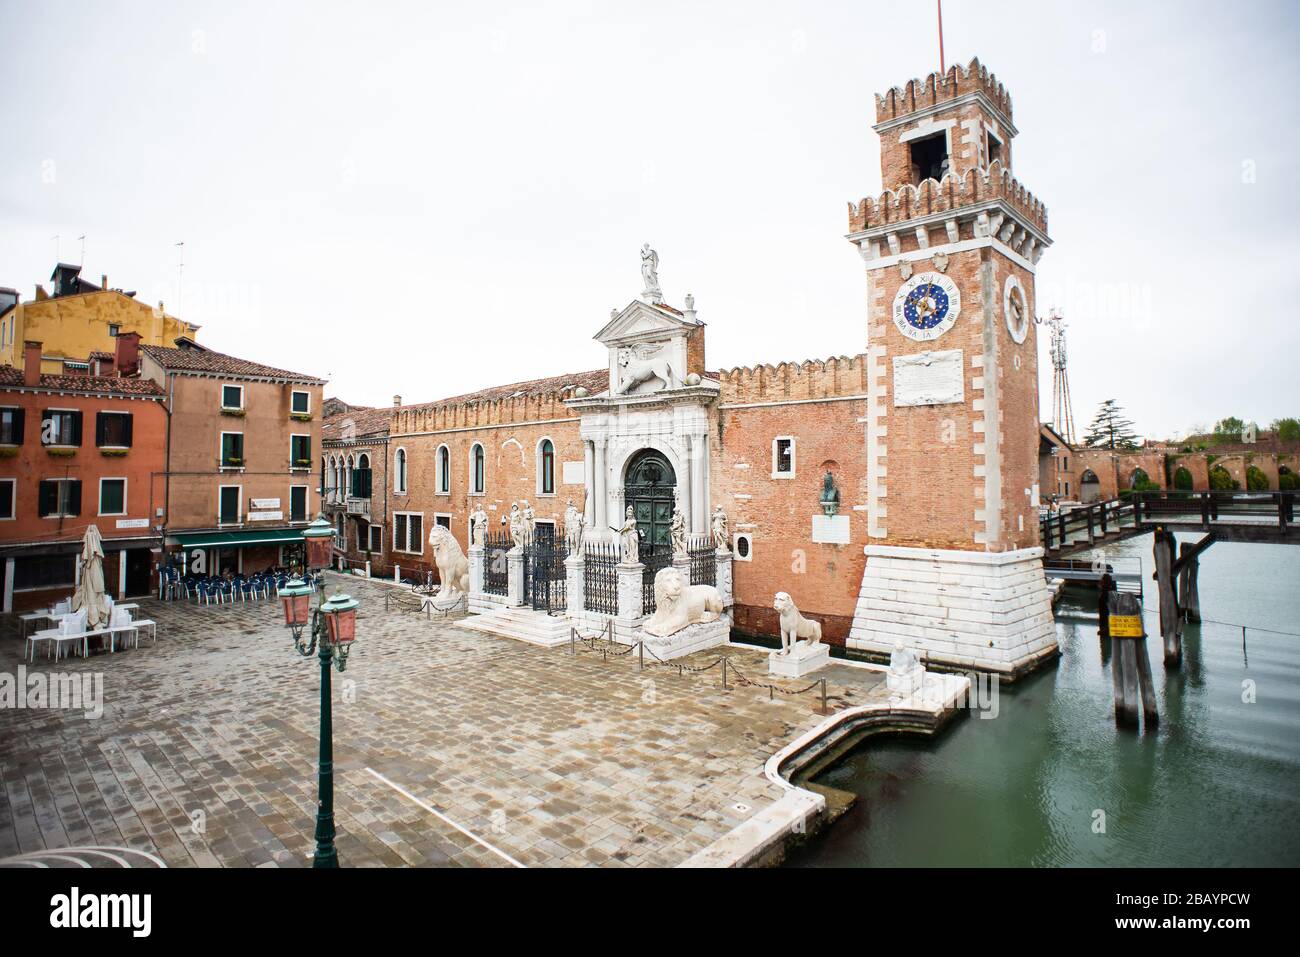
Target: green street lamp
x,y
333,628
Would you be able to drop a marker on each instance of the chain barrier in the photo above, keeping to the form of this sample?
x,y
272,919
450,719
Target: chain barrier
x,y
682,669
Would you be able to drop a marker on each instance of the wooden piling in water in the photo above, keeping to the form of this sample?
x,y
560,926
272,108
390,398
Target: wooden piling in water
x,y
1130,664
1189,596
1167,585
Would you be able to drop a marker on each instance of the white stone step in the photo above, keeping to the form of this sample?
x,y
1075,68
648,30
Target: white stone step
x,y
521,624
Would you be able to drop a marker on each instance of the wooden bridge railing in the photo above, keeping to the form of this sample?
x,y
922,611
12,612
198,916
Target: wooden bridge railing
x,y
1140,511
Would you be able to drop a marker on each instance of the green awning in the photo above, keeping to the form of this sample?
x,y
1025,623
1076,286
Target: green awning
x,y
268,536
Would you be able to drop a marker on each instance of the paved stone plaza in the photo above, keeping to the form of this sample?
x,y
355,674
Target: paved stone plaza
x,y
552,759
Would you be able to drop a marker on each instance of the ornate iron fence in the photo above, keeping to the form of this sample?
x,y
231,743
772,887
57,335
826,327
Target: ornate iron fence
x,y
704,564
496,571
654,558
545,581
600,578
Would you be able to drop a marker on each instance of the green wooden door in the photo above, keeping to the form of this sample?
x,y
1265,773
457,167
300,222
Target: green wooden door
x,y
650,489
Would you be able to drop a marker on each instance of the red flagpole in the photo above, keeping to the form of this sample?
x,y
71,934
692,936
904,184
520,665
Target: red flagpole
x,y
942,67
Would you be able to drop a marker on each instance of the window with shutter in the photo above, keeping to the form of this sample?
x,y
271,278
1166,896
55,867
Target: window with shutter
x,y
7,489
11,426
113,430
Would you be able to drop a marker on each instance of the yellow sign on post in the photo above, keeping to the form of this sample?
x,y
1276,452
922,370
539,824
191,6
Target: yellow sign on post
x,y
1126,626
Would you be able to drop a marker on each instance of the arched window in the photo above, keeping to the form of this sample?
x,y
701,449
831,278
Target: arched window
x,y
477,470
399,472
546,467
361,477
444,470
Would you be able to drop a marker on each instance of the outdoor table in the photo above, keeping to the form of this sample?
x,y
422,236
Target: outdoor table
x,y
32,616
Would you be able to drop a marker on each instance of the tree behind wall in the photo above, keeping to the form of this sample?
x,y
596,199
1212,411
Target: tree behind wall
x,y
1110,429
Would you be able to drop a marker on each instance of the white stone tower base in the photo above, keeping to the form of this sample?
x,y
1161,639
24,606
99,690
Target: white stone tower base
x,y
982,610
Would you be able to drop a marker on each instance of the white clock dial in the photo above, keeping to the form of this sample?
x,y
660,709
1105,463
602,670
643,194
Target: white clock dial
x,y
1015,306
926,306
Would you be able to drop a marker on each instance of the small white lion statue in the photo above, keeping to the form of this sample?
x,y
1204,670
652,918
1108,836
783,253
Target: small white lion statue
x,y
794,625
453,567
636,371
679,604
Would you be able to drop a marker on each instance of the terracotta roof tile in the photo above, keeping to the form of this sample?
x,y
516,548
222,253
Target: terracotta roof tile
x,y
364,421
205,360
9,376
594,382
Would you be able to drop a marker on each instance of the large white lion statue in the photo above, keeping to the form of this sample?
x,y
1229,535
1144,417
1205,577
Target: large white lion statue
x,y
794,625
679,604
635,370
453,567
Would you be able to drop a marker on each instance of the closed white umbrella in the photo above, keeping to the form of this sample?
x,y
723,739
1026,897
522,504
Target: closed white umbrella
x,y
90,592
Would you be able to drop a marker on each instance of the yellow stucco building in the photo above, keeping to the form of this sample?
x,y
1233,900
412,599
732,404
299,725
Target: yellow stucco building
x,y
78,319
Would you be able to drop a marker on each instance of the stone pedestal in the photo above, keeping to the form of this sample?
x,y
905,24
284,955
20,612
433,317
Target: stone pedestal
x,y
803,659
683,565
905,684
475,559
515,577
629,590
989,611
692,638
574,586
457,602
722,579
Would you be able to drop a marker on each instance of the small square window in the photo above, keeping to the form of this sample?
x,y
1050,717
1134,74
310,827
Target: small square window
x,y
783,457
232,396
232,450
112,496
300,403
114,329
229,507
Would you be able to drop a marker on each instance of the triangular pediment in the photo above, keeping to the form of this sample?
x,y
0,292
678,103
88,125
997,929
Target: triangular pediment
x,y
642,320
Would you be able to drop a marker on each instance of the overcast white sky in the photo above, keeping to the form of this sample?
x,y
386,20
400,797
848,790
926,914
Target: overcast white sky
x,y
429,198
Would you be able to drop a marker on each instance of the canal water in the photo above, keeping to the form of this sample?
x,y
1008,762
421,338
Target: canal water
x,y
1051,782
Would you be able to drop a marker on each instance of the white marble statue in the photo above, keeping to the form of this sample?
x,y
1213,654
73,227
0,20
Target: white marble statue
x,y
903,661
516,522
530,521
478,523
679,604
574,526
635,369
677,531
453,567
721,537
795,626
631,541
650,274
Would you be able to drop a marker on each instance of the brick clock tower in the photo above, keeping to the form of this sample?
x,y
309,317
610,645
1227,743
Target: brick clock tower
x,y
951,248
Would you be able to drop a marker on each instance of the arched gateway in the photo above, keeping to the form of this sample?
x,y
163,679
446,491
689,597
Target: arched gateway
x,y
650,487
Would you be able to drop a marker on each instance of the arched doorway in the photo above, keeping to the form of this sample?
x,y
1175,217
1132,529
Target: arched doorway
x,y
650,488
1089,487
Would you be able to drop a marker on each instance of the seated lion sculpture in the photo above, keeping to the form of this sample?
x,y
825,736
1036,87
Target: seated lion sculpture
x,y
453,567
679,604
794,625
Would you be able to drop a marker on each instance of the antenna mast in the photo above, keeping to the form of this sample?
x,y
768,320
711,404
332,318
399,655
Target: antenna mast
x,y
1062,414
942,66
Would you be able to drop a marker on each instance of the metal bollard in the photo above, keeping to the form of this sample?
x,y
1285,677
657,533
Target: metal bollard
x,y
823,695
640,655
724,674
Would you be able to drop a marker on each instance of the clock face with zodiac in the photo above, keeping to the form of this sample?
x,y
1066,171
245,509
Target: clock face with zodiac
x,y
926,306
1016,307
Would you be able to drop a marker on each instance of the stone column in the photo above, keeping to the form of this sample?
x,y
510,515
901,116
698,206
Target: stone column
x,y
629,591
589,479
600,520
515,577
722,578
575,589
475,558
686,484
700,507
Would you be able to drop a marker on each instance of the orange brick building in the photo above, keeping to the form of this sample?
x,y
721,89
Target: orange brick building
x,y
79,450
